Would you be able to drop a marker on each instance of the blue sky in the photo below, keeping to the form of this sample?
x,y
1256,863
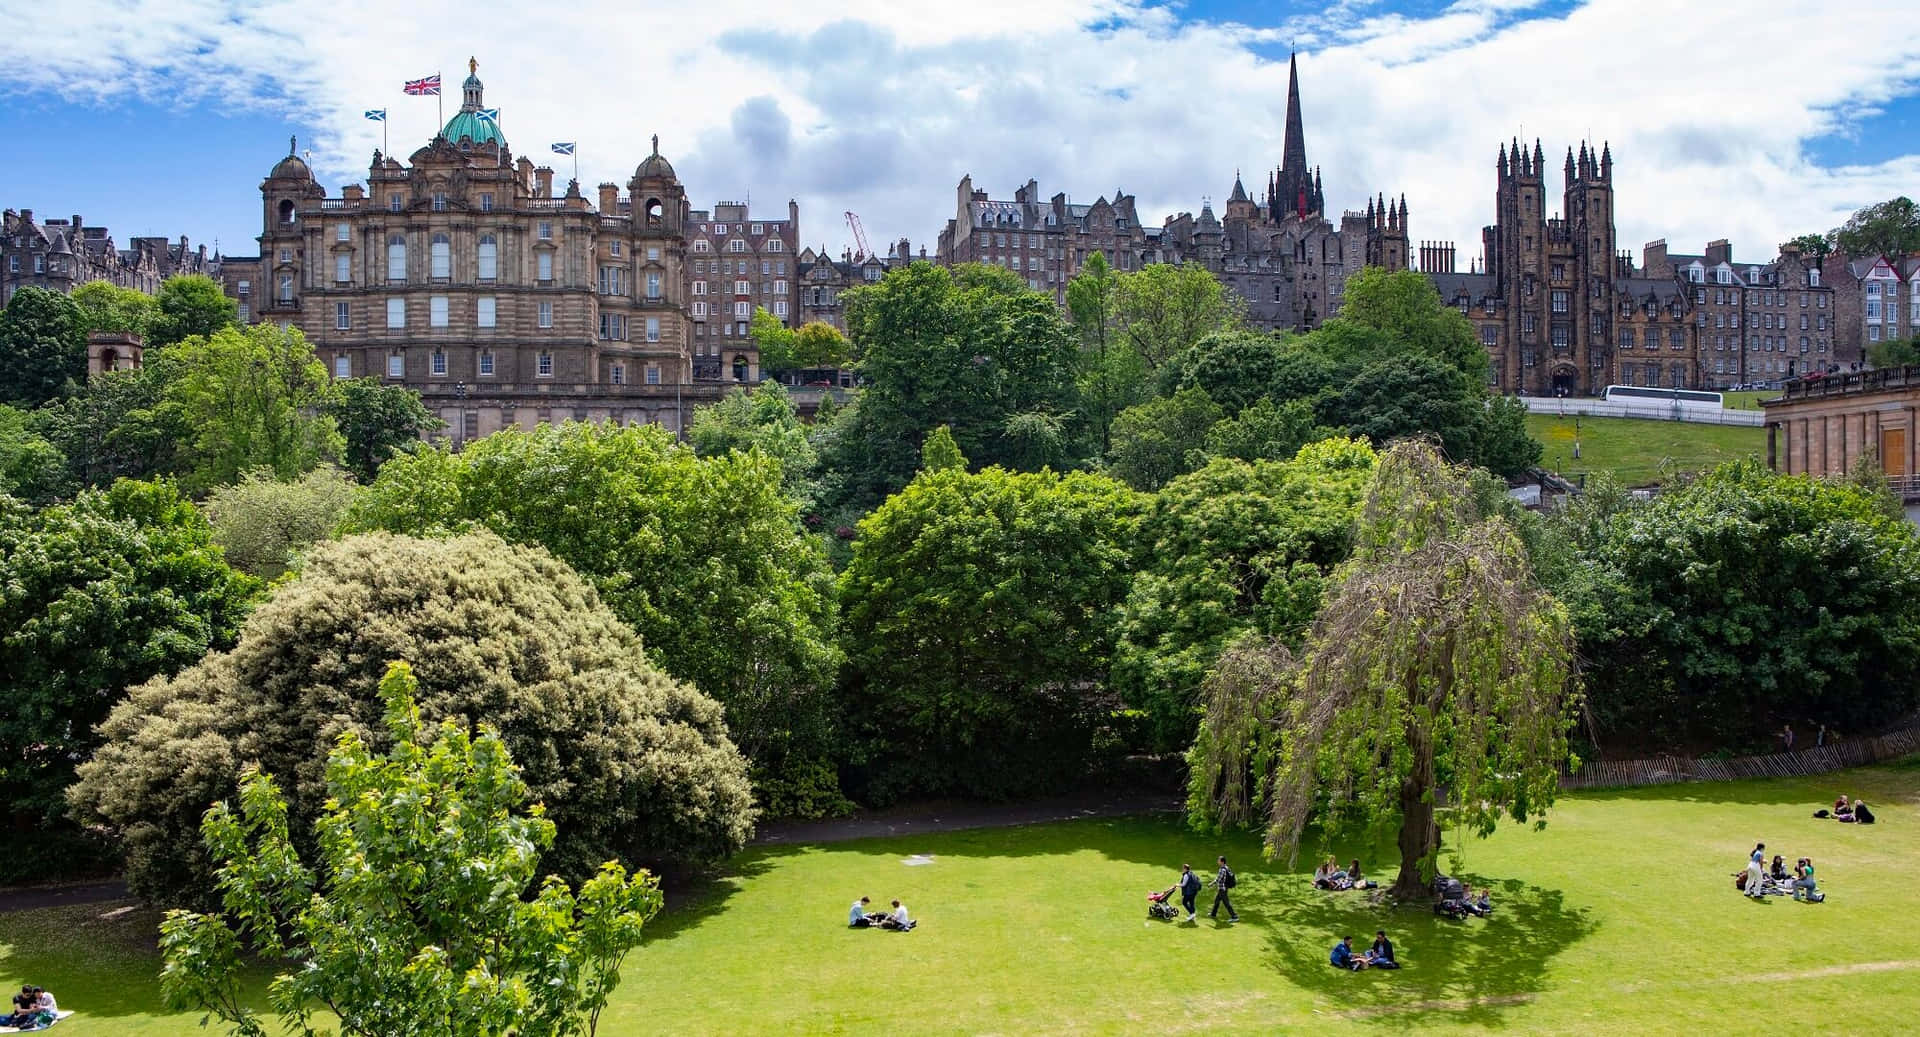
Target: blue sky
x,y
162,119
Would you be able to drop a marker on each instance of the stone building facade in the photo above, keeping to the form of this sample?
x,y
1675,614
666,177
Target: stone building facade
x,y
1822,426
1876,299
63,254
737,263
1280,253
462,273
1757,322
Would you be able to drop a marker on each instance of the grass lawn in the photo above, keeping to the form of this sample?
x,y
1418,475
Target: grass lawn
x,y
1636,450
1620,918
1748,399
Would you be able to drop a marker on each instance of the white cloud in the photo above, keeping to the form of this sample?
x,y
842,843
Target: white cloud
x,y
1708,109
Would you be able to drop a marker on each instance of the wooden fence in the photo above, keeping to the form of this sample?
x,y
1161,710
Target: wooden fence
x,y
1600,774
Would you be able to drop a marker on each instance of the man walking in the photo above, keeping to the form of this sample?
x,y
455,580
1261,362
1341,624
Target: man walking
x,y
1222,882
1189,890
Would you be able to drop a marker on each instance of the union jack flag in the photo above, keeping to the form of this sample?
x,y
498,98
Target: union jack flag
x,y
428,87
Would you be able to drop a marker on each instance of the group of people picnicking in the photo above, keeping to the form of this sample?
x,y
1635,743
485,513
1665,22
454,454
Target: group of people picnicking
x,y
1331,876
33,1009
858,917
1760,880
1379,956
1848,811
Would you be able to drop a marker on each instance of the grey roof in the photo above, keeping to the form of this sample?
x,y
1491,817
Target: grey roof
x,y
1473,286
1662,289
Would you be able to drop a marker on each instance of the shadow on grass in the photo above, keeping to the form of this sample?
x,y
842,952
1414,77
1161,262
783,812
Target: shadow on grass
x,y
1467,971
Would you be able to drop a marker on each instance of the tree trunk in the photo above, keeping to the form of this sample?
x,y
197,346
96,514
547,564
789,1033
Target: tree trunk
x,y
1419,838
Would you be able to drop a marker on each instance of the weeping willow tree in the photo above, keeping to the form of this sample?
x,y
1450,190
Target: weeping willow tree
x,y
1435,664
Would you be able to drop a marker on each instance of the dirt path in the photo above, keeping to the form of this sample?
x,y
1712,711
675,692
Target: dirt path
x,y
954,817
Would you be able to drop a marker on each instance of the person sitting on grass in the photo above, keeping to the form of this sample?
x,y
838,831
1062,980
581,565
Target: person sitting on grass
x,y
1380,956
23,1008
1778,871
1343,956
858,918
1323,875
1804,888
1483,904
1842,810
1861,815
1355,879
898,920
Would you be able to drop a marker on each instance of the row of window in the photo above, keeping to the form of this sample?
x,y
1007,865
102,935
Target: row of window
x,y
484,367
485,312
744,266
746,288
703,246
742,310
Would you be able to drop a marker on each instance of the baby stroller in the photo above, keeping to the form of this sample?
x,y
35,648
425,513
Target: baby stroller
x,y
1160,905
1450,897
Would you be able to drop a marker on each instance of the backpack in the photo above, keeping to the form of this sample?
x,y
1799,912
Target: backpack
x,y
1822,813
1231,881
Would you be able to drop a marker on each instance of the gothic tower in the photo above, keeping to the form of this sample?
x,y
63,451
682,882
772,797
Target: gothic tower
x,y
1589,214
1294,188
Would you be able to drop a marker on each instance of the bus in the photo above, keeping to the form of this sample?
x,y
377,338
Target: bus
x,y
1649,396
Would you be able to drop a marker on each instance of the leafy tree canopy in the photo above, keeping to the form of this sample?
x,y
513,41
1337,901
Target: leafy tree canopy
x,y
105,306
630,763
119,425
376,421
979,622
31,468
263,524
1890,228
255,397
191,305
703,556
1814,246
972,348
1896,353
762,418
1231,548
1162,309
1436,662
417,920
43,347
1745,599
1163,439
97,596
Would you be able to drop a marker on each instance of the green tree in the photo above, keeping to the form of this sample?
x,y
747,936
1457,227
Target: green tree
x,y
1890,228
1894,353
704,557
1162,439
1231,549
1743,599
762,418
1437,660
119,425
1385,314
31,468
1162,309
1266,431
817,344
631,763
97,596
43,347
972,348
256,397
941,454
1814,247
775,341
1235,368
376,421
263,525
418,918
1112,377
979,622
105,306
191,305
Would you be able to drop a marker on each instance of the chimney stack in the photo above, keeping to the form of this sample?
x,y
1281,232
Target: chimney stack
x,y
543,182
609,199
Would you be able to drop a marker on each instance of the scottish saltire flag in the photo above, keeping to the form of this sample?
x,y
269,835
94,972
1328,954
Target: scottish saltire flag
x,y
428,87
377,114
563,149
491,115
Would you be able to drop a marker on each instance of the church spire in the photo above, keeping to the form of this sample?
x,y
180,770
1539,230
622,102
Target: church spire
x,y
1294,157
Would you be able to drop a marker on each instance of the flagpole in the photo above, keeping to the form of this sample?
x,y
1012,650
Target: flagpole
x,y
440,99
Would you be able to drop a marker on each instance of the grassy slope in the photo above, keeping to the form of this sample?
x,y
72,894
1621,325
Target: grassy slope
x,y
1636,450
1618,918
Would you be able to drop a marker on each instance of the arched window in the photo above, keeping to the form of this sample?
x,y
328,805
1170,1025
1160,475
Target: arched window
x,y
396,257
489,258
654,211
739,368
286,212
442,257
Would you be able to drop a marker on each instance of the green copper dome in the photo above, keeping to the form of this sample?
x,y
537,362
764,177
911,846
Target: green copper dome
x,y
470,124
467,121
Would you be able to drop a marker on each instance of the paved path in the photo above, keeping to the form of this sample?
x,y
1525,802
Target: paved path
x,y
953,817
33,898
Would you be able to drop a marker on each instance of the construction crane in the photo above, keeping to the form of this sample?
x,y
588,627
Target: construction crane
x,y
859,237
